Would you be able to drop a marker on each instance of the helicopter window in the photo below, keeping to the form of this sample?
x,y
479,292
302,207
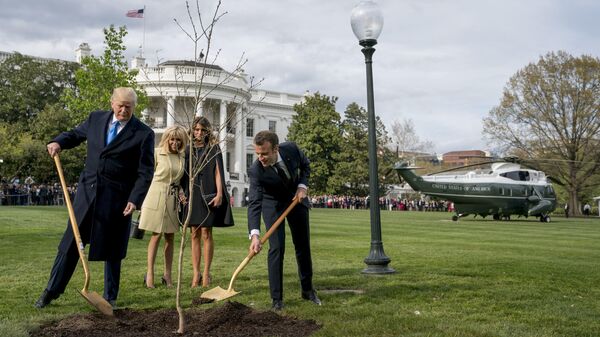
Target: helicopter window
x,y
516,175
524,175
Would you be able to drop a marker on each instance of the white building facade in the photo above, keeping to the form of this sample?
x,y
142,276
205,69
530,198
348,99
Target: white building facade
x,y
235,109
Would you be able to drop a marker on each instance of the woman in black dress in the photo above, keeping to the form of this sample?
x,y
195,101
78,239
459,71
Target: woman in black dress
x,y
210,206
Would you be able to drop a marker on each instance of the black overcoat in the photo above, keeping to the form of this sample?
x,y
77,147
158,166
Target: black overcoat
x,y
113,175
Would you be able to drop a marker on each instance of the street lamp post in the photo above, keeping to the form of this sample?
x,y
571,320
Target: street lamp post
x,y
367,22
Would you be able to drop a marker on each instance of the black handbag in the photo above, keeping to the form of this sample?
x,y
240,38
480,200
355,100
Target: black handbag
x,y
136,232
209,197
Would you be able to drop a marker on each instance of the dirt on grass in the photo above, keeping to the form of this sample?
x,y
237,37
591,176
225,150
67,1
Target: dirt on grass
x,y
228,320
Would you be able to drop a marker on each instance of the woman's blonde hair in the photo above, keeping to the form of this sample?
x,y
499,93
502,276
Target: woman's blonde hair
x,y
205,124
177,132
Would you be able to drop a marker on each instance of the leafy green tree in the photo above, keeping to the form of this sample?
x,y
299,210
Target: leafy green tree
x,y
98,76
15,152
24,153
386,163
50,122
352,162
27,85
551,110
316,129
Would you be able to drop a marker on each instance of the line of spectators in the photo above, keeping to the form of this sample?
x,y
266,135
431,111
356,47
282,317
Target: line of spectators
x,y
35,194
385,203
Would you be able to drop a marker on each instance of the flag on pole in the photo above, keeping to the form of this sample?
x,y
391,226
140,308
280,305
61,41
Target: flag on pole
x,y
135,13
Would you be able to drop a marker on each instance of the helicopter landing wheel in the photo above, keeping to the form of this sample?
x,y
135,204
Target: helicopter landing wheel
x,y
455,218
545,218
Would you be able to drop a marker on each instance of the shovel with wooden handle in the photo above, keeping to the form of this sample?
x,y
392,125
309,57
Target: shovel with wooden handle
x,y
218,293
92,297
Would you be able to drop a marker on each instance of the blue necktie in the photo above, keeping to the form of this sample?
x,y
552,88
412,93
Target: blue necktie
x,y
112,132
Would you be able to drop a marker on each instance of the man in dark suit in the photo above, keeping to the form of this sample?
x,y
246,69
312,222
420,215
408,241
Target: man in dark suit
x,y
118,170
278,175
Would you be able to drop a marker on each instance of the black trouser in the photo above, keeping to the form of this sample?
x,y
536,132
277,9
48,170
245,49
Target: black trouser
x,y
299,227
65,264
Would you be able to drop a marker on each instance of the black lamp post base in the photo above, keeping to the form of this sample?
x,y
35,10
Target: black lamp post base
x,y
377,262
378,269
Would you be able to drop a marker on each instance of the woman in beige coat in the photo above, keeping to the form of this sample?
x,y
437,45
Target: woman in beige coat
x,y
159,210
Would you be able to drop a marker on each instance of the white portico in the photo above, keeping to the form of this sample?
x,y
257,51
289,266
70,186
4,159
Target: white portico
x,y
237,111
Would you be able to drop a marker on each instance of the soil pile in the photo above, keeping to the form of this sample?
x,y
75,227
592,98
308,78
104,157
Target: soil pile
x,y
229,320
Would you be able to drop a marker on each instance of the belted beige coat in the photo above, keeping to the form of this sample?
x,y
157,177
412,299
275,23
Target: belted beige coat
x,y
159,210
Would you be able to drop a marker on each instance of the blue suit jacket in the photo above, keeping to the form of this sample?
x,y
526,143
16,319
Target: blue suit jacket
x,y
113,175
268,194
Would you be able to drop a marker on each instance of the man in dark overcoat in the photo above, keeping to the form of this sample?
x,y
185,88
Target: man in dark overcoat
x,y
279,174
118,170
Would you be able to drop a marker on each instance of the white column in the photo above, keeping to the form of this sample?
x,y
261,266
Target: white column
x,y
238,138
200,108
170,111
243,116
223,133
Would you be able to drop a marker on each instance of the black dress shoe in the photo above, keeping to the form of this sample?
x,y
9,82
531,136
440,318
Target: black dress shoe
x,y
277,305
311,295
45,299
113,304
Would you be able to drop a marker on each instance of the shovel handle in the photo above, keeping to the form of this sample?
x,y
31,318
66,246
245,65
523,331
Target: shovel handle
x,y
279,220
73,220
264,239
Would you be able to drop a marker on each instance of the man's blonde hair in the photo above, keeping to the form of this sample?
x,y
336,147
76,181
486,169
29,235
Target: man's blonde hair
x,y
124,94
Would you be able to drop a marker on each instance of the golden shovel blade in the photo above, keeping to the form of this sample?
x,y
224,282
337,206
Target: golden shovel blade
x,y
98,301
218,294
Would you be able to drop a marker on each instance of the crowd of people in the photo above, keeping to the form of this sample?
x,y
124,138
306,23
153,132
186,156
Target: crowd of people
x,y
385,203
16,194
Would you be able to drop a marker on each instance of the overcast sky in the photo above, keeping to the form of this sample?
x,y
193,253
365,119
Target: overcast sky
x,y
441,63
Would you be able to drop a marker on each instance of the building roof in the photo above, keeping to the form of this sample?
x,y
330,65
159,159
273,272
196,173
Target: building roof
x,y
465,153
188,63
4,55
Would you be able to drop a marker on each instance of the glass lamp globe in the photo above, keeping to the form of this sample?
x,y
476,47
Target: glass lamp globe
x,y
367,21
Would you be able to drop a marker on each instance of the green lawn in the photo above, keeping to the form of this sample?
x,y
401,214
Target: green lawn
x,y
468,278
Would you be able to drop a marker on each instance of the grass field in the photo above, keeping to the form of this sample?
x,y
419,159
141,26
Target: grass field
x,y
468,278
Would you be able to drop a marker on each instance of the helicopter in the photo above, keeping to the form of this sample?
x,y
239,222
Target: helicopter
x,y
502,190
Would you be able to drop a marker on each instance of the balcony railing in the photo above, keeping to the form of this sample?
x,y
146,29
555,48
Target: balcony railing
x,y
154,124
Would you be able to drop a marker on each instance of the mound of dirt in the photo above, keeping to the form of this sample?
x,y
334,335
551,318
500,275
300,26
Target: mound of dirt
x,y
229,320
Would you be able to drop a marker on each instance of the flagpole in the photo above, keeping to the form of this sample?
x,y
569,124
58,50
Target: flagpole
x,y
144,34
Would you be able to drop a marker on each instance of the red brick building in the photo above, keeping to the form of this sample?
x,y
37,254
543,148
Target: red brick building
x,y
460,158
